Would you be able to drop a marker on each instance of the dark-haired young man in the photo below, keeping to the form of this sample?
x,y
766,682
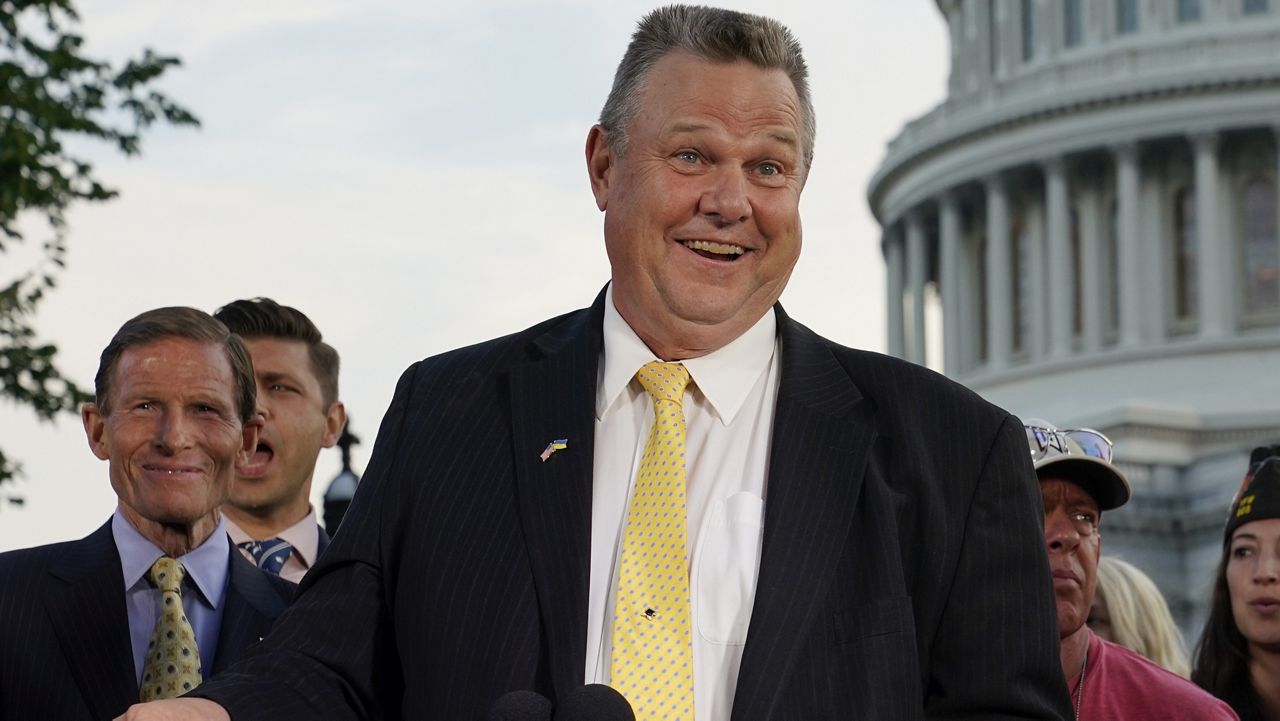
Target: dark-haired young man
x,y
269,513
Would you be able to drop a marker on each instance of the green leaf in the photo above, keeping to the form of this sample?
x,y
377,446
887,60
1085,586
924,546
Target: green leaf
x,y
51,92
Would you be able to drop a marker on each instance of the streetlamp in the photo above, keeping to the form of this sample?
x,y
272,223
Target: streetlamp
x,y
343,486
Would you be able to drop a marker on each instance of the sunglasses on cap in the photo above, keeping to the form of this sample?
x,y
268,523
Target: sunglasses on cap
x,y
1049,443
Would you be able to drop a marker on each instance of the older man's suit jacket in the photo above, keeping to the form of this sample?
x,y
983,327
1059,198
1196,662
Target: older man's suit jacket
x,y
65,652
903,573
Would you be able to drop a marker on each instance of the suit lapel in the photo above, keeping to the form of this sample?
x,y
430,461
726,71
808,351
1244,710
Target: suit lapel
x,y
822,432
553,398
87,611
251,606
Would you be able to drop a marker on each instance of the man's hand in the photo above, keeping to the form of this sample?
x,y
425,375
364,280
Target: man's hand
x,y
178,709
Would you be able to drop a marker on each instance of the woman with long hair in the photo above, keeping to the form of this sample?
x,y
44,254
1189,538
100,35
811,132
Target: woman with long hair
x,y
1238,656
1129,609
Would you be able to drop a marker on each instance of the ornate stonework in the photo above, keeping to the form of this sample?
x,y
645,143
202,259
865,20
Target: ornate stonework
x,y
1095,207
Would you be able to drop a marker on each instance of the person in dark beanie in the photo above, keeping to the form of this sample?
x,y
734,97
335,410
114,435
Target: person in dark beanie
x,y
1256,457
268,510
1238,656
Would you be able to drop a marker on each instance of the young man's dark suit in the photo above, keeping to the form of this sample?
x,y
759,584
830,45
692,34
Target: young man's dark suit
x,y
902,571
64,629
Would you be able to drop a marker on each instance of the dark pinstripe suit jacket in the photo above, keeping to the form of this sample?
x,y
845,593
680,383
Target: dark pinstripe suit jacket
x,y
902,574
65,652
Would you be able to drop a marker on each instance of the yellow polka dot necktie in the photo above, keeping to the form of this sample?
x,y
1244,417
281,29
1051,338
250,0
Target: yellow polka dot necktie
x,y
173,661
652,659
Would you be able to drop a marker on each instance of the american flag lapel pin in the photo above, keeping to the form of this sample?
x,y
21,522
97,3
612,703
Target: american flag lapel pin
x,y
552,447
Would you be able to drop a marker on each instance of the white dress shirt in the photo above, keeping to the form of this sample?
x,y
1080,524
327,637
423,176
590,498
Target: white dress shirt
x,y
304,536
729,412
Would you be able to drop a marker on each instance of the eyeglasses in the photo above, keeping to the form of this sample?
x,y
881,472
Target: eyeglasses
x,y
1049,443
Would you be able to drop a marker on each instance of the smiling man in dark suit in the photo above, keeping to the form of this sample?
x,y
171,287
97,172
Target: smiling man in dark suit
x,y
679,489
155,599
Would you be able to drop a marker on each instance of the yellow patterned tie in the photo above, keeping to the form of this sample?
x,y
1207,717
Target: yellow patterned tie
x,y
173,661
652,660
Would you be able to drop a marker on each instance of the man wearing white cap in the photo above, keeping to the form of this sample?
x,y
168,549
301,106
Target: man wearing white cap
x,y
1107,681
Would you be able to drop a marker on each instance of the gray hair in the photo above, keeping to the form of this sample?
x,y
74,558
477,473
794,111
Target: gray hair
x,y
714,34
188,324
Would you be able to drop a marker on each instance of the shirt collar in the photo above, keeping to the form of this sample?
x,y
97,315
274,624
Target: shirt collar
x,y
304,536
206,565
725,376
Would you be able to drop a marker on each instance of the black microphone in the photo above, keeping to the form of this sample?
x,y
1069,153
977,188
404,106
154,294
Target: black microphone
x,y
594,702
520,706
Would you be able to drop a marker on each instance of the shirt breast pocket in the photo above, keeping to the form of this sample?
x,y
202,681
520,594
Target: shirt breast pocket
x,y
728,560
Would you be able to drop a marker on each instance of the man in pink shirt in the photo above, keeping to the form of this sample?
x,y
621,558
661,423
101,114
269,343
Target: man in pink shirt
x,y
1106,681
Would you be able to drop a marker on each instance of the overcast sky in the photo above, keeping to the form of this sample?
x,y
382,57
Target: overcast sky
x,y
411,176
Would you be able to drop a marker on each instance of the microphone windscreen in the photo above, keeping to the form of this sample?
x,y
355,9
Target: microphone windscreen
x,y
520,706
594,702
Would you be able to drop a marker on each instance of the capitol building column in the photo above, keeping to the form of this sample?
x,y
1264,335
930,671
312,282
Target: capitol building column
x,y
999,300
893,290
1061,274
1129,244
1275,185
917,270
953,320
1213,267
1091,268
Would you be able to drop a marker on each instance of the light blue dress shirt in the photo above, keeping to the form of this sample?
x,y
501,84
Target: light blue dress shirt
x,y
203,590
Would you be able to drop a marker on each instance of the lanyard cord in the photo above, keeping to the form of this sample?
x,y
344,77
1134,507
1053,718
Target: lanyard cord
x,y
1084,666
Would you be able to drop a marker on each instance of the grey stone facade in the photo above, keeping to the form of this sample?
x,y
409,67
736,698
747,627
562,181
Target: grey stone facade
x,y
1094,209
